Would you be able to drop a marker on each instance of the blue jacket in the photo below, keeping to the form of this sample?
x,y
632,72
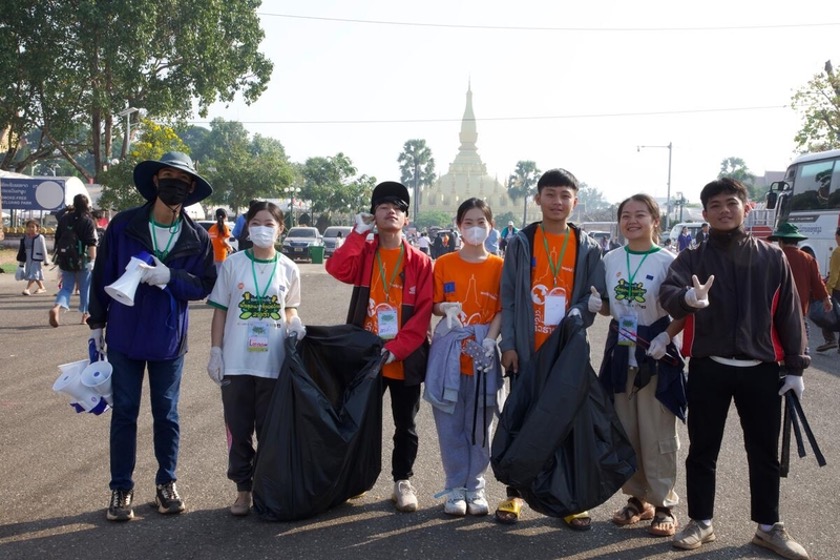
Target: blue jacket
x,y
155,328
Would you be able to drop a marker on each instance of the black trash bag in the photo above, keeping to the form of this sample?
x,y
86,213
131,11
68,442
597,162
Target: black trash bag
x,y
829,320
559,441
321,442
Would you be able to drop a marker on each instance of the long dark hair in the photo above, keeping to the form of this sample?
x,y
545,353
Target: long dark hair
x,y
81,205
471,203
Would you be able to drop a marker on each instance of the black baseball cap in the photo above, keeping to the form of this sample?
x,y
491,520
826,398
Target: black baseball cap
x,y
390,191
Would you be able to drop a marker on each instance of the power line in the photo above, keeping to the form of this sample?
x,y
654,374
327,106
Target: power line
x,y
525,118
563,29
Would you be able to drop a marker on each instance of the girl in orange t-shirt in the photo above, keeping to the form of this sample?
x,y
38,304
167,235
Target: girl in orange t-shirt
x,y
467,295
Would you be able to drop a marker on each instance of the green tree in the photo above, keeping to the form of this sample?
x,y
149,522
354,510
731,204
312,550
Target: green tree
x,y
77,64
818,104
417,169
590,201
523,184
736,168
323,179
118,190
432,218
242,169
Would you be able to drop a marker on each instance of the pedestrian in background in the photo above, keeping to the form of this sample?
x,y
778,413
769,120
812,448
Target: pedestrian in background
x,y
75,242
492,241
219,235
806,274
32,254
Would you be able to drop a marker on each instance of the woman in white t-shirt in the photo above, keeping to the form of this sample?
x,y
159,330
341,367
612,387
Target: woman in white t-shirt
x,y
642,368
255,298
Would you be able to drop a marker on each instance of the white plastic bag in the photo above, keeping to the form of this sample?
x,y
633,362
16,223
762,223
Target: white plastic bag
x,y
19,273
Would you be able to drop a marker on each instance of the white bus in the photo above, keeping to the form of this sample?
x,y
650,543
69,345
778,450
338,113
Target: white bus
x,y
809,197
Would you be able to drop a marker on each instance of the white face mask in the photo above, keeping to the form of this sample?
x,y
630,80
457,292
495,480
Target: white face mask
x,y
475,235
262,236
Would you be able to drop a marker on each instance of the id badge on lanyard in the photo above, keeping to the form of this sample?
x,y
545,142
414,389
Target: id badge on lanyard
x,y
258,332
628,325
555,306
387,324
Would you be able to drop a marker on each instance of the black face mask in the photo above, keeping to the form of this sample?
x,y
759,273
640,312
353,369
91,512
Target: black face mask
x,y
173,192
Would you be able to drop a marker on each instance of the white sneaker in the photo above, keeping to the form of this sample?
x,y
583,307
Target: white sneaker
x,y
404,496
694,535
477,502
778,540
455,503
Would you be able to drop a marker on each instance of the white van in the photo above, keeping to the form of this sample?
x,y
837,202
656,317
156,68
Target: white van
x,y
693,228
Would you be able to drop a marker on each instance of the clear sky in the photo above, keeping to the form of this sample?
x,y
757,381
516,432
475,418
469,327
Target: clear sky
x,y
577,85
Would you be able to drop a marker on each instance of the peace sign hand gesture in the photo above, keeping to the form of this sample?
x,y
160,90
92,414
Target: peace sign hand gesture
x,y
698,295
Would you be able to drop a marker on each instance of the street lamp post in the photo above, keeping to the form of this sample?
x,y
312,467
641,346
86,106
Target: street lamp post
x,y
127,141
669,147
292,192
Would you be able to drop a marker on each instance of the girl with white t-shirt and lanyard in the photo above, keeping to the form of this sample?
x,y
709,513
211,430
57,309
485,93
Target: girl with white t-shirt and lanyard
x,y
256,296
639,359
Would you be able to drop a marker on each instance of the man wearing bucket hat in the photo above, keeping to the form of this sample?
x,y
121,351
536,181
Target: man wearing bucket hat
x,y
806,273
152,333
392,297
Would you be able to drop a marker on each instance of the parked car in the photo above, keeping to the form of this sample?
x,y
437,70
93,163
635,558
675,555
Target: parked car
x,y
232,240
331,237
297,242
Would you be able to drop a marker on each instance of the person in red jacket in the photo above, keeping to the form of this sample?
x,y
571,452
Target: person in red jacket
x,y
806,274
392,297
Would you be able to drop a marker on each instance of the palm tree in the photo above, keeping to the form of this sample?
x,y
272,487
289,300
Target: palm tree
x,y
417,168
523,184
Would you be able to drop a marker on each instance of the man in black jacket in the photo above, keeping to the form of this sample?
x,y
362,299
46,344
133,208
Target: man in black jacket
x,y
743,318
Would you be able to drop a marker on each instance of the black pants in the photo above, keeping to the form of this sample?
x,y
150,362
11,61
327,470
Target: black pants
x,y
245,399
405,404
711,389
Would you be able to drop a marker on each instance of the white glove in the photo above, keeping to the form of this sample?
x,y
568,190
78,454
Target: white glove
x,y
794,382
364,222
595,302
659,345
575,312
295,327
490,346
216,366
157,275
390,357
96,345
698,296
452,309
89,266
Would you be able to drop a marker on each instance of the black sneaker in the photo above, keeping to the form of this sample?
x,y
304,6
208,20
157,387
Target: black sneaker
x,y
120,508
167,499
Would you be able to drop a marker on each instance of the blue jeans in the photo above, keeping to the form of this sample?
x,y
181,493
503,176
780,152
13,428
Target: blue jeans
x,y
68,282
164,390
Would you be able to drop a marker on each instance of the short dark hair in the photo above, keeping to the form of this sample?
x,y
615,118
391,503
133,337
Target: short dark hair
x,y
471,203
557,178
837,232
724,185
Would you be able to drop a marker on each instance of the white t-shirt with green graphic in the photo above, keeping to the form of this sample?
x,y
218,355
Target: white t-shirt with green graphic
x,y
255,294
634,288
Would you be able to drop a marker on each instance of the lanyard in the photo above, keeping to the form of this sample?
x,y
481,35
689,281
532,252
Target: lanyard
x,y
387,287
555,265
162,254
632,276
260,296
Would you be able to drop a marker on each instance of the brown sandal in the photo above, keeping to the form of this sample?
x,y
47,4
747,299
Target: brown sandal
x,y
633,512
664,523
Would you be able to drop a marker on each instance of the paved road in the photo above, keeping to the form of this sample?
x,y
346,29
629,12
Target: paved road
x,y
54,478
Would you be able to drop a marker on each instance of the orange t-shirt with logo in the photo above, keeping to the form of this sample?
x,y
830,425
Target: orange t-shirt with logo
x,y
543,280
475,285
384,294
